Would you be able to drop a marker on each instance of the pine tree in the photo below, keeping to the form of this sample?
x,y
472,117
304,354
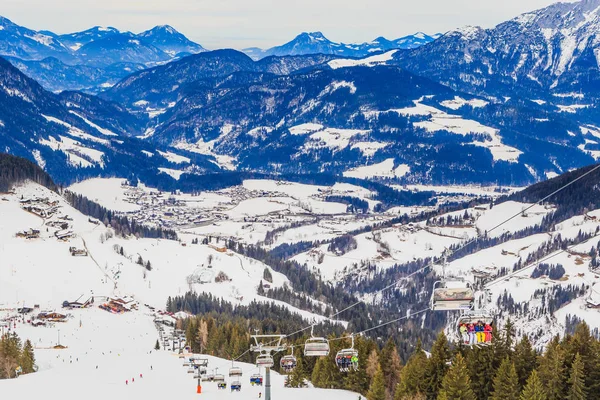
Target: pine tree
x,y
157,345
297,377
436,365
534,390
412,376
577,389
479,363
390,365
551,371
506,382
456,384
524,358
372,364
377,389
27,358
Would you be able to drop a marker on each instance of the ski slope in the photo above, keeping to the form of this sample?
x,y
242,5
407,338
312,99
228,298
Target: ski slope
x,y
103,350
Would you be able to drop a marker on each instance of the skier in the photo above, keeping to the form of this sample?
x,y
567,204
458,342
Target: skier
x,y
151,368
463,332
141,376
132,380
126,382
259,395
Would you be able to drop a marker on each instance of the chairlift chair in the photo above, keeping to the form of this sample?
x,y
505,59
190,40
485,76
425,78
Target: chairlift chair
x,y
264,361
222,385
191,370
288,363
316,346
219,378
452,295
235,371
347,359
256,379
482,320
236,386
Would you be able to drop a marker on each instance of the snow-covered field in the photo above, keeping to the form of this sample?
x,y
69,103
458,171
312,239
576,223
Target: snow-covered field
x,y
103,350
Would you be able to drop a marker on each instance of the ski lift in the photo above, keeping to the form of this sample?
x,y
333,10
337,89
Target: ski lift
x,y
222,385
265,361
191,370
256,379
475,328
288,362
452,295
316,346
186,363
347,359
235,371
208,378
236,386
219,378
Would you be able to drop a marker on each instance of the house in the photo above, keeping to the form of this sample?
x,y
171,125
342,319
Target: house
x,y
78,252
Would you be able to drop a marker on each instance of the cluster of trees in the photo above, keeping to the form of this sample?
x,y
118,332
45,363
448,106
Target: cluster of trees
x,y
568,369
122,225
14,355
342,244
14,170
452,220
552,271
355,204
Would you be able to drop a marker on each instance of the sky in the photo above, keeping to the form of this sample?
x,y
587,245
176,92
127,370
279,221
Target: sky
x,y
265,23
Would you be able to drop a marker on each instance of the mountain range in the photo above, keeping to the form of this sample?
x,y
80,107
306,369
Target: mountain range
x,y
465,108
317,43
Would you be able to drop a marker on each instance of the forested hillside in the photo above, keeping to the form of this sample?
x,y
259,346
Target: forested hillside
x,y
14,170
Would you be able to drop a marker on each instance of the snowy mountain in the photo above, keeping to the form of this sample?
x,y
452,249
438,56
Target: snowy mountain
x,y
56,75
343,116
548,51
170,41
317,43
73,135
78,39
90,60
18,41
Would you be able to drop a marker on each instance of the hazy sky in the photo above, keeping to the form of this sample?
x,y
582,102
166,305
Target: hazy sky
x,y
264,23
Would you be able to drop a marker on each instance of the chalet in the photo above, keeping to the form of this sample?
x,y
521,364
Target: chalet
x,y
63,234
29,234
78,252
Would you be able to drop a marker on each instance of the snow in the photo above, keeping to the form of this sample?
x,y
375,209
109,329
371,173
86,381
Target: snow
x,y
336,85
38,158
40,38
367,62
106,192
304,129
332,138
441,121
459,102
76,132
103,131
173,173
368,149
384,169
174,158
148,153
73,149
571,109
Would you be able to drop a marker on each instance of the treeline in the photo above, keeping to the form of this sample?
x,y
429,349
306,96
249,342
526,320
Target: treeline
x,y
15,170
122,225
505,370
15,358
